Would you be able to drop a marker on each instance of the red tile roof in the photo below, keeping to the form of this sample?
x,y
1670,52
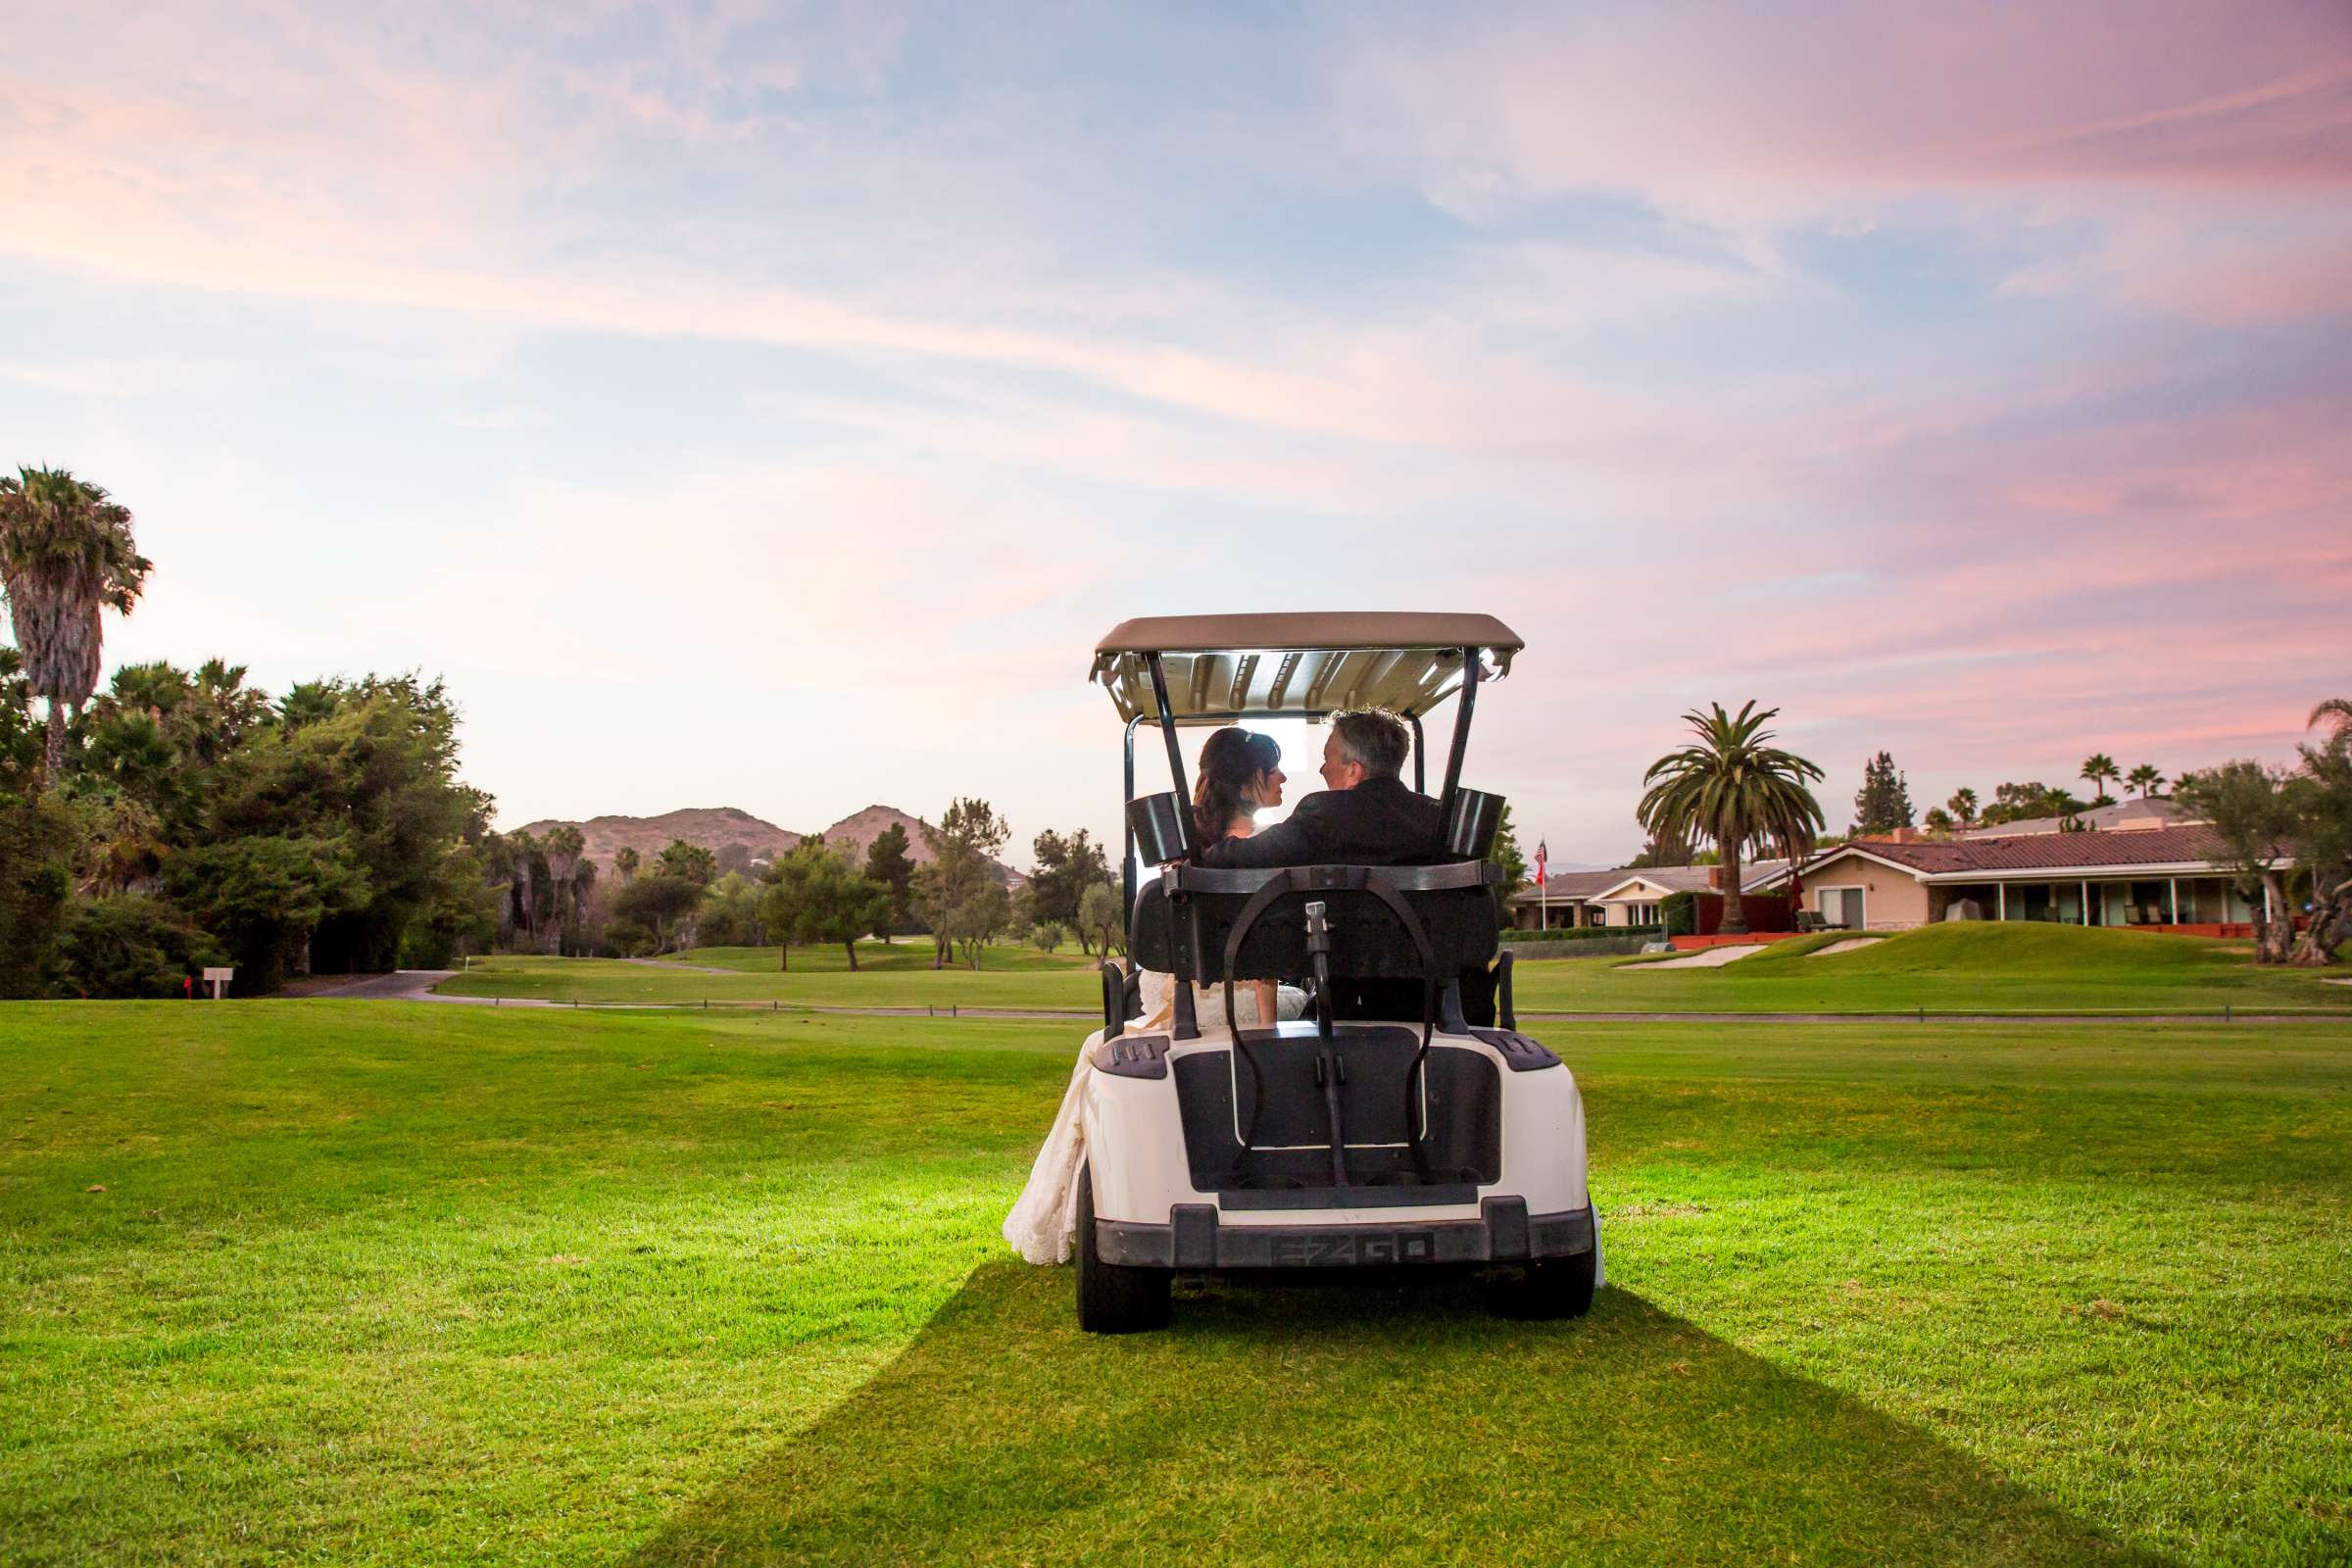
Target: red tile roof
x,y
2069,852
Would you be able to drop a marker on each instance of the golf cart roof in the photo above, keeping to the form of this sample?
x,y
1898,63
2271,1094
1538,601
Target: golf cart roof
x,y
1221,667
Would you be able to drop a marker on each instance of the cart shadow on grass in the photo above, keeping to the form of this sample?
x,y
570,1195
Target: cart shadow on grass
x,y
1396,1424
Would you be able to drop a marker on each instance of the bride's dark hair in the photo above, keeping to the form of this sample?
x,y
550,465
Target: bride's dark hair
x,y
1229,759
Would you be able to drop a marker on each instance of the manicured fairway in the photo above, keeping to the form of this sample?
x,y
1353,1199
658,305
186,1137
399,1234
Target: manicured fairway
x,y
1054,985
1951,968
390,1283
1948,968
882,958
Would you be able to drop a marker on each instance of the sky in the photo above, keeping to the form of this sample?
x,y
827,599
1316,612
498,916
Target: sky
x,y
771,406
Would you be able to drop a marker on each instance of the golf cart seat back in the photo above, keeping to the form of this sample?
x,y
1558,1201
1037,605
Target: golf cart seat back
x,y
1380,918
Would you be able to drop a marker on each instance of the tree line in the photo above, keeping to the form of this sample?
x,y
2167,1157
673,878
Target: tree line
x,y
180,818
1884,802
817,892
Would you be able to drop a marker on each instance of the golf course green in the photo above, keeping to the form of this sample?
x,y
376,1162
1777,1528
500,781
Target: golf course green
x,y
400,1282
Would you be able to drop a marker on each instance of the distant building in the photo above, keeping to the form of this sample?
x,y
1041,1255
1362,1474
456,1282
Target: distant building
x,y
2125,816
1624,896
2148,876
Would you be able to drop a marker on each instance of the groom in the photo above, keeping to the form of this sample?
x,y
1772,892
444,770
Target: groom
x,y
1366,816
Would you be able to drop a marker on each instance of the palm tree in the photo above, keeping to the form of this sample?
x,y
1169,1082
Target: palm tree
x,y
1736,788
624,861
227,709
2096,767
66,552
1963,804
2337,710
561,847
2145,779
527,865
157,689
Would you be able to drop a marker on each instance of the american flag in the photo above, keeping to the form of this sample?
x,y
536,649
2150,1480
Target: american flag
x,y
1540,853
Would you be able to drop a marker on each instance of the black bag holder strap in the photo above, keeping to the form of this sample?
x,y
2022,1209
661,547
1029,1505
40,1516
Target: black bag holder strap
x,y
1375,881
1261,900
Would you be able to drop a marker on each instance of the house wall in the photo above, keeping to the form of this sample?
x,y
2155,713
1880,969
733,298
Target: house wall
x,y
1891,900
1563,912
1619,907
2204,900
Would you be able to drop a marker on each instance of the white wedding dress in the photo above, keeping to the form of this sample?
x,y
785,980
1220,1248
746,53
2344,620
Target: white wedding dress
x,y
1044,1221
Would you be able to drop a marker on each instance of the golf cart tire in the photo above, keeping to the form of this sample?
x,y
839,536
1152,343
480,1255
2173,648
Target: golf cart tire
x,y
1113,1298
1550,1288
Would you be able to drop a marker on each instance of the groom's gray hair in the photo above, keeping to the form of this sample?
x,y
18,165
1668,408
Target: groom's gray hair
x,y
1374,739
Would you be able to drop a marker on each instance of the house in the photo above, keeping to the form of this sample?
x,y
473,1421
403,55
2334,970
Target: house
x,y
2164,877
2125,816
1564,899
1624,896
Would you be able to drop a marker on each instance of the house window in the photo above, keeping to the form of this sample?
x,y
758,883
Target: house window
x,y
1840,907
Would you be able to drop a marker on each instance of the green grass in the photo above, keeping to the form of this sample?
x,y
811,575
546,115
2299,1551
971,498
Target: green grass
x,y
383,1283
1978,967
883,957
1967,967
1019,979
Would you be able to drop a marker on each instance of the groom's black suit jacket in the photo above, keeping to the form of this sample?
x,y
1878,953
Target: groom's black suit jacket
x,y
1379,823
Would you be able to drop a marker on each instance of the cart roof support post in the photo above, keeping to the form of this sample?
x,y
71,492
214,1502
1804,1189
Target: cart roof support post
x,y
1127,860
1167,730
1461,732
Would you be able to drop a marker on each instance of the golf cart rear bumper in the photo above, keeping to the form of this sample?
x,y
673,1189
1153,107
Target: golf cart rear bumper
x,y
1503,1233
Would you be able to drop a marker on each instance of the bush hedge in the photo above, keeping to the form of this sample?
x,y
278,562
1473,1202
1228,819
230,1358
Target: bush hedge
x,y
129,945
1579,933
1678,913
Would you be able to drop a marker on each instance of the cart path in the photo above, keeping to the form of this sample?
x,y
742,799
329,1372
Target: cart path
x,y
416,985
401,985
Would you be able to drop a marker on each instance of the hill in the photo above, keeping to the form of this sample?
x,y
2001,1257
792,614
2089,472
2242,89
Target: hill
x,y
716,827
711,828
856,833
1958,966
1997,952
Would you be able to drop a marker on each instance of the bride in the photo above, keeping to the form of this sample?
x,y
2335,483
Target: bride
x,y
1240,775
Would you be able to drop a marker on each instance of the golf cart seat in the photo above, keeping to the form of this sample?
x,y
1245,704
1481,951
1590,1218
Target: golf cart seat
x,y
1391,929
1186,921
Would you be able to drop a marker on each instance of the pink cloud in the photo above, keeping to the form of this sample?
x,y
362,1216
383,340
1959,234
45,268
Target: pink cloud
x,y
1727,106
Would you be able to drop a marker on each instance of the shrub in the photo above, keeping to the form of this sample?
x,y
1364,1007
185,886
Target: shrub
x,y
1048,936
1679,913
1579,933
35,839
627,938
131,945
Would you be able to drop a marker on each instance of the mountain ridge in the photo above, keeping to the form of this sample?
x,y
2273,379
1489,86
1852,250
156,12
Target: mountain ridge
x,y
714,827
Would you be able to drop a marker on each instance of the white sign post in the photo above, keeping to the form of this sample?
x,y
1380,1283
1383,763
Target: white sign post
x,y
219,980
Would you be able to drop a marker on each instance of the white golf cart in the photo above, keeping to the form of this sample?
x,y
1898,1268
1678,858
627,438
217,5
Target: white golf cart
x,y
1407,1125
